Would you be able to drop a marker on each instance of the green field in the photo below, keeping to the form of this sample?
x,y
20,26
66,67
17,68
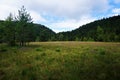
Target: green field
x,y
61,61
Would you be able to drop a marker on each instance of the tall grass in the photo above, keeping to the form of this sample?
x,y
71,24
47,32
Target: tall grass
x,y
61,61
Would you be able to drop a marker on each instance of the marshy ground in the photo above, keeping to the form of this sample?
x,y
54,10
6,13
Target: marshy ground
x,y
61,61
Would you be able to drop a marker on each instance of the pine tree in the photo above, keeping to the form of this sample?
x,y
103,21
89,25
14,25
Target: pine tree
x,y
23,29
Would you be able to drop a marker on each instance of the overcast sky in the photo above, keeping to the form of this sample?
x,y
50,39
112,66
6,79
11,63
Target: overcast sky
x,y
62,15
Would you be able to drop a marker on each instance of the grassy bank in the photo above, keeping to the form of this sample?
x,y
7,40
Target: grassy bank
x,y
61,61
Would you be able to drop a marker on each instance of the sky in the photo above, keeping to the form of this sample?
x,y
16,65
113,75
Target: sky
x,y
62,15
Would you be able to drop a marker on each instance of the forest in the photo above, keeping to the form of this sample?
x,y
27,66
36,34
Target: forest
x,y
104,30
21,30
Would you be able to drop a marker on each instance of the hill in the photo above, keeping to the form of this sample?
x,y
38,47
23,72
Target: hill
x,y
39,33
106,29
43,33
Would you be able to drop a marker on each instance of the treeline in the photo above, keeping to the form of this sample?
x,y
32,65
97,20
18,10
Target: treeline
x,y
21,30
107,30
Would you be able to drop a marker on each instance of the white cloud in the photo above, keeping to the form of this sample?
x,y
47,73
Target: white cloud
x,y
116,10
63,8
117,1
7,7
70,8
68,25
6,10
37,17
74,12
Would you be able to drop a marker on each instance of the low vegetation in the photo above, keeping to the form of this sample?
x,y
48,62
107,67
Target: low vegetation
x,y
60,61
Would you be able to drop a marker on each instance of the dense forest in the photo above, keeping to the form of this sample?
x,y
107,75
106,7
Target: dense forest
x,y
37,32
107,30
21,30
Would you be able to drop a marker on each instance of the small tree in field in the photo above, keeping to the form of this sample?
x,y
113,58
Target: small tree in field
x,y
23,29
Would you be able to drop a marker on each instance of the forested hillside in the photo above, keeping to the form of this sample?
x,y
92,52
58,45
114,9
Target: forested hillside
x,y
43,33
107,29
39,32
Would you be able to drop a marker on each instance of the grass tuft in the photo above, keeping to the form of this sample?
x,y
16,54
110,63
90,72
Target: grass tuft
x,y
102,51
38,49
57,50
43,54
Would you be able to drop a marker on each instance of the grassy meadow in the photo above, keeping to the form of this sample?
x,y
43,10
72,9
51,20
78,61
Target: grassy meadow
x,y
61,61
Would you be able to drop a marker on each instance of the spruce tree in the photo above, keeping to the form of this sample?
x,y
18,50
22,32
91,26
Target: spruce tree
x,y
23,29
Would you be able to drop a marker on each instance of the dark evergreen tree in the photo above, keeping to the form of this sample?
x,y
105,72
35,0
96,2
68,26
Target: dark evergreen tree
x,y
9,29
100,34
1,32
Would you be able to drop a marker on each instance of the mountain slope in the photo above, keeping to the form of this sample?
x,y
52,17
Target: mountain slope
x,y
107,29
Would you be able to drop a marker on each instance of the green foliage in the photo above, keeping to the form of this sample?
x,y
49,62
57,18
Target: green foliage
x,y
10,31
107,30
38,49
24,30
43,33
99,33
